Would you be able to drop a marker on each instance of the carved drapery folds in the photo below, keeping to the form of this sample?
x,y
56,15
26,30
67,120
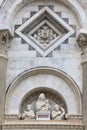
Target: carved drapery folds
x,y
4,42
82,42
43,110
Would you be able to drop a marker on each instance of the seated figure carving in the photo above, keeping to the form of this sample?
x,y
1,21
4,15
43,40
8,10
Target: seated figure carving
x,y
28,113
58,112
43,110
42,103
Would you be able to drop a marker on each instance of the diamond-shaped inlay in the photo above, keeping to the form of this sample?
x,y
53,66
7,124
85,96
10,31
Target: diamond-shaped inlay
x,y
45,35
45,31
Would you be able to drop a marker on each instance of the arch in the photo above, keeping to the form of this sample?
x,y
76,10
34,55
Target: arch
x,y
73,4
67,88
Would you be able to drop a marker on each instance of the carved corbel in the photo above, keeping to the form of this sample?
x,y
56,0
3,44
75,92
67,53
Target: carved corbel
x,y
82,42
4,42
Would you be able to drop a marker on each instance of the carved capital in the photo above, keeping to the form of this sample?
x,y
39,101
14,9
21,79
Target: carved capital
x,y
82,42
4,42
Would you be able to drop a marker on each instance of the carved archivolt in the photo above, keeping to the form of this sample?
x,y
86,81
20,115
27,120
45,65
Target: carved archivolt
x,y
30,80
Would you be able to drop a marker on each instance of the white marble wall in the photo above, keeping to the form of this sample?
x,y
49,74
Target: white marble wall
x,y
69,94
67,59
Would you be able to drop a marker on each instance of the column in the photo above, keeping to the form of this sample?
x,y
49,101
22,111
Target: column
x,y
82,42
4,44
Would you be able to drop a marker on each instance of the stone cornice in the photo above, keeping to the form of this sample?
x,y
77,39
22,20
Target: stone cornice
x,y
15,117
12,121
42,126
4,42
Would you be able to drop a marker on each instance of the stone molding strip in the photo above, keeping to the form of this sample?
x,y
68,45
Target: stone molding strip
x,y
15,117
42,125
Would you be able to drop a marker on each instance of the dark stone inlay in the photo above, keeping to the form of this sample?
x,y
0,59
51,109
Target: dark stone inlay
x,y
73,26
32,13
48,17
66,41
57,48
23,41
31,48
51,7
74,34
16,35
66,20
24,20
58,13
16,27
40,7
50,54
38,55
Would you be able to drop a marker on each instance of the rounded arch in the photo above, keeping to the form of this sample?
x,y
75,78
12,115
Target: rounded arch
x,y
39,77
73,4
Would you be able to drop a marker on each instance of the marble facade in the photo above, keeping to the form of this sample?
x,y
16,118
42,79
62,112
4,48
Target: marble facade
x,y
43,50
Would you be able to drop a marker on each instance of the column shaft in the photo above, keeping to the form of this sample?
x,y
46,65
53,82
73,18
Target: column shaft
x,y
84,93
4,36
82,42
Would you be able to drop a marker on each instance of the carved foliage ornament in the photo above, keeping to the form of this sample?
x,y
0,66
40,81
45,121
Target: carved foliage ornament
x,y
4,37
82,42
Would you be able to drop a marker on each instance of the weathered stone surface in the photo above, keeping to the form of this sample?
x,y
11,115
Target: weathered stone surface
x,y
31,63
82,41
4,42
4,37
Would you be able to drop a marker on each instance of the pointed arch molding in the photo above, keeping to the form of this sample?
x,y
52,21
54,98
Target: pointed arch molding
x,y
43,77
14,7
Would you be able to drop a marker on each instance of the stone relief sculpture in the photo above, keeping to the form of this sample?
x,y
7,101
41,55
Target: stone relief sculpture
x,y
45,35
28,113
58,112
42,103
4,44
43,108
47,105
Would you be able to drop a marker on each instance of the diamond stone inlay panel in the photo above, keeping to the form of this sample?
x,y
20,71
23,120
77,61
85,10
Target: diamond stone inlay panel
x,y
45,35
45,31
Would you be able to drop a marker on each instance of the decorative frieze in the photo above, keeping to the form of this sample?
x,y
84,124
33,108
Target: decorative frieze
x,y
4,42
42,125
82,40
